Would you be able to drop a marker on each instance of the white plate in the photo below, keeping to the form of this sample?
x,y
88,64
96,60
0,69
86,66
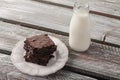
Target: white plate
x,y
56,63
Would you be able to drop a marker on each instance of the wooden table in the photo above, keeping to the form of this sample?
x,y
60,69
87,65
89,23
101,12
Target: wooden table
x,y
19,19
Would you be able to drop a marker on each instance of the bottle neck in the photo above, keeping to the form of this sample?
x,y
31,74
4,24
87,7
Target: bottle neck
x,y
81,7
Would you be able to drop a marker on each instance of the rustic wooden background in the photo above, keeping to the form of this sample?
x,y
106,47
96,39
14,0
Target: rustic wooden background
x,y
21,18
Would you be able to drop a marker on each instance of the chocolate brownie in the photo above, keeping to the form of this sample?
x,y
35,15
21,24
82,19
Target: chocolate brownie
x,y
39,49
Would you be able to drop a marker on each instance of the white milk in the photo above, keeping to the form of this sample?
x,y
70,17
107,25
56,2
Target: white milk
x,y
79,33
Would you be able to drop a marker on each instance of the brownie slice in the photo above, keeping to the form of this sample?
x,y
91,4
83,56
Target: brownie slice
x,y
39,49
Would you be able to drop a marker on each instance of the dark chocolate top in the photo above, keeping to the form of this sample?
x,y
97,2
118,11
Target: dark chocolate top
x,y
40,41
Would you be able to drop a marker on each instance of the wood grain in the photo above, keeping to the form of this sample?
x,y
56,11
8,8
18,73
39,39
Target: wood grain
x,y
96,6
7,70
99,10
54,17
100,60
60,75
71,2
112,35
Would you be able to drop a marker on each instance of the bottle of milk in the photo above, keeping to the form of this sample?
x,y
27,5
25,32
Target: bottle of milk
x,y
79,32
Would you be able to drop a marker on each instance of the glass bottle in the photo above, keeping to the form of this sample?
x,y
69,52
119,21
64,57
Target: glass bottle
x,y
79,32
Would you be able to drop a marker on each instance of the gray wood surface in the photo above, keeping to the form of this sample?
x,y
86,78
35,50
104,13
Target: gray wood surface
x,y
100,60
9,72
71,2
112,35
56,18
95,5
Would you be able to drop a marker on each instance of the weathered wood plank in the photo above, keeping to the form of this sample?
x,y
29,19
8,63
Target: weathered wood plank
x,y
53,17
35,13
9,72
60,75
71,2
5,66
112,9
100,6
111,36
102,60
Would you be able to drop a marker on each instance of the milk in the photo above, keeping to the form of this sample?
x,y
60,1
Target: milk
x,y
79,32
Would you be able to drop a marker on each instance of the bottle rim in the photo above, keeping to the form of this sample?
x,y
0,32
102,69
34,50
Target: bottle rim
x,y
78,6
81,5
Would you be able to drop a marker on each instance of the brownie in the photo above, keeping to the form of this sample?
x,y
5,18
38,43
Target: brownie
x,y
39,49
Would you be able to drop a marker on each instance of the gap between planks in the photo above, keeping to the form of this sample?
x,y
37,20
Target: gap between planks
x,y
101,60
30,13
9,72
51,30
71,7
